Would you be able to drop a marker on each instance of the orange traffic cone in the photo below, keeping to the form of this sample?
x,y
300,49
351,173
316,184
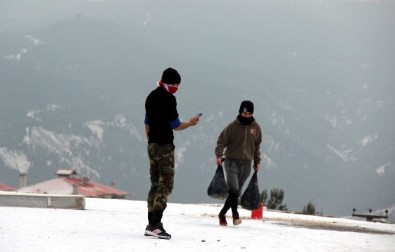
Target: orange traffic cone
x,y
257,213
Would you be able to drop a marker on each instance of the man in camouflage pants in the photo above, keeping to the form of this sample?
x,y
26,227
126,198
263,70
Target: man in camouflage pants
x,y
161,119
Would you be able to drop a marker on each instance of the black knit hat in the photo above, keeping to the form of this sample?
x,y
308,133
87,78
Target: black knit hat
x,y
171,76
246,106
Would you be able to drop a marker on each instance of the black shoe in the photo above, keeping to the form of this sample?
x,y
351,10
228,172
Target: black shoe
x,y
222,220
147,233
157,231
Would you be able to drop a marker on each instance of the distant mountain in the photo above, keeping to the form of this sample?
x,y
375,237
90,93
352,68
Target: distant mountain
x,y
73,84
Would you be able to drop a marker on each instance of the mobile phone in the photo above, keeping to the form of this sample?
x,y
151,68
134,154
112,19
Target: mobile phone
x,y
199,115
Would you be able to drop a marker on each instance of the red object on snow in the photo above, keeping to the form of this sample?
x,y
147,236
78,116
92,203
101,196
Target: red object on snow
x,y
257,213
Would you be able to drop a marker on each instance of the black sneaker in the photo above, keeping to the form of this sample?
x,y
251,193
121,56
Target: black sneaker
x,y
157,231
147,233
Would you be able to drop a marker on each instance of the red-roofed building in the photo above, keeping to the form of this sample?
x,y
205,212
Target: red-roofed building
x,y
4,187
68,183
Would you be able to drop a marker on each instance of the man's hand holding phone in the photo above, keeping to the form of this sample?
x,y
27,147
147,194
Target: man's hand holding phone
x,y
194,120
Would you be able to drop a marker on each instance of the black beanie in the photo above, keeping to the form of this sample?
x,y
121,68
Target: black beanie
x,y
246,106
171,76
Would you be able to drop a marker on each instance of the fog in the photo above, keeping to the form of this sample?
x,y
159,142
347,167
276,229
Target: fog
x,y
75,74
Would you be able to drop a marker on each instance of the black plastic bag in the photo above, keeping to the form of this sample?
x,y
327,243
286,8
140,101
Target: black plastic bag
x,y
251,196
218,188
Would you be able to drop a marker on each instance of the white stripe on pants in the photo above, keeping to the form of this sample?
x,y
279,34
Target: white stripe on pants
x,y
237,172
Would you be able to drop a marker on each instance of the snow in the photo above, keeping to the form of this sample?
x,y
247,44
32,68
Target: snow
x,y
118,225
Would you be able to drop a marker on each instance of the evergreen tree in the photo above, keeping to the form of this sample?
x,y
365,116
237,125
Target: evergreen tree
x,y
276,199
264,197
309,209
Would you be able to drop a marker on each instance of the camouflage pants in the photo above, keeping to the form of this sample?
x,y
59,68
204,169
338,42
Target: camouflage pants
x,y
161,159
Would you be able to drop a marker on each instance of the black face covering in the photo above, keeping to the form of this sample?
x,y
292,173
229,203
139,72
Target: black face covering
x,y
245,120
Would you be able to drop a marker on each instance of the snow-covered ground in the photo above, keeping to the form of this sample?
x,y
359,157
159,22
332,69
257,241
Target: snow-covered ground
x,y
118,225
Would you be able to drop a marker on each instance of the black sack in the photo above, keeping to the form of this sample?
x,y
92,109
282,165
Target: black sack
x,y
218,188
251,196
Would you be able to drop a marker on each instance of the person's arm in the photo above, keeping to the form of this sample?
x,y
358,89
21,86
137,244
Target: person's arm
x,y
146,130
192,122
146,125
221,144
256,167
257,154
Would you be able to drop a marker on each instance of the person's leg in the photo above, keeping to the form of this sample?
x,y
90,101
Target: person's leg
x,y
232,176
154,179
162,180
165,156
243,171
232,181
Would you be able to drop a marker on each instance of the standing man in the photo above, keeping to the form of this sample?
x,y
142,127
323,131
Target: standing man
x,y
161,118
240,143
